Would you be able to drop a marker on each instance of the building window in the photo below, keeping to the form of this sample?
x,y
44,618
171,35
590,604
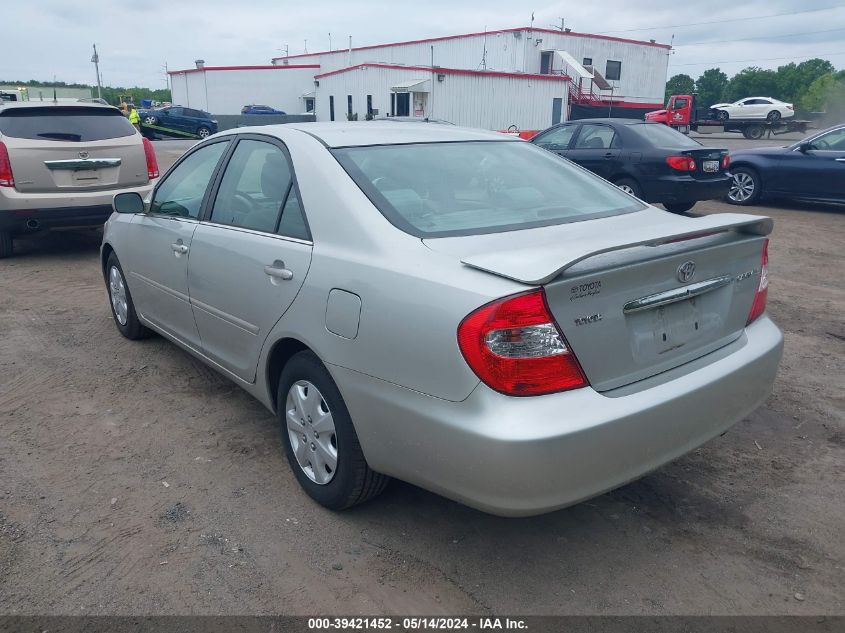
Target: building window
x,y
613,70
588,61
349,104
309,104
331,108
545,63
369,105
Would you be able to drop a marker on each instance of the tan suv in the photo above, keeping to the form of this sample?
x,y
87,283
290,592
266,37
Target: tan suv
x,y
62,163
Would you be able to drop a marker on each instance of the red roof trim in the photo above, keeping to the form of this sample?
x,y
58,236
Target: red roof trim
x,y
264,67
447,71
453,37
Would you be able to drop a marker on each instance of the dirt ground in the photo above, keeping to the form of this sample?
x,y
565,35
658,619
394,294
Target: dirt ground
x,y
134,480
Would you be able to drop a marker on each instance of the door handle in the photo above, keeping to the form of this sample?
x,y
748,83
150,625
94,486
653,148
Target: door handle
x,y
839,160
609,155
179,249
277,270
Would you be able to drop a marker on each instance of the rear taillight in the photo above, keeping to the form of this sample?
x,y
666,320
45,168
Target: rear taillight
x,y
681,163
759,305
152,163
7,179
515,347
726,161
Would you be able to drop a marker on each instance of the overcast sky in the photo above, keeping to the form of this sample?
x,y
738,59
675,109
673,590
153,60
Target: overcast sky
x,y
43,39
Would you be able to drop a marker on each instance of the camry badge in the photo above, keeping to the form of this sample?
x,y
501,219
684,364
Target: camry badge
x,y
686,272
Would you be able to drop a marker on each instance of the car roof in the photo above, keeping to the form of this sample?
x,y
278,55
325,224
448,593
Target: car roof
x,y
611,120
361,133
54,104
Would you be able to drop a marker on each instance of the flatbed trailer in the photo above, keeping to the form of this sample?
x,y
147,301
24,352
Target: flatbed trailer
x,y
680,113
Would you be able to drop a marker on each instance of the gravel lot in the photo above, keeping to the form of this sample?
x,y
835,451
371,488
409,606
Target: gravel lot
x,y
134,480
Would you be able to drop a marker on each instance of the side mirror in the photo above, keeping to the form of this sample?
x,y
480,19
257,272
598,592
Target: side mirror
x,y
805,147
129,202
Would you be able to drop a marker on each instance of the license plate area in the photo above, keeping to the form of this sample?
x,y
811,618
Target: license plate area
x,y
85,176
675,325
710,166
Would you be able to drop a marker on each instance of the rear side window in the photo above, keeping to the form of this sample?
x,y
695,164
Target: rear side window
x,y
659,135
258,186
72,124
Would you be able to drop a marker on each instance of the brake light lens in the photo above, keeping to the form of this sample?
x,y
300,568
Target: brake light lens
x,y
759,305
681,163
7,179
726,161
514,346
152,162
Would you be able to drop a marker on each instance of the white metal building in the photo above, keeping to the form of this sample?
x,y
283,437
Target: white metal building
x,y
523,76
227,89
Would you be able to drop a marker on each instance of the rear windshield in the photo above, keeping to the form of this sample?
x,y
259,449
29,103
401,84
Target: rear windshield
x,y
468,188
660,135
65,124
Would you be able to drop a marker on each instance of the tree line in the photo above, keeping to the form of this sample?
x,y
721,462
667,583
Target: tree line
x,y
109,93
812,86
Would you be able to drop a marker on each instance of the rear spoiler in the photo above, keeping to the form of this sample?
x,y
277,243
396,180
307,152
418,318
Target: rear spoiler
x,y
539,264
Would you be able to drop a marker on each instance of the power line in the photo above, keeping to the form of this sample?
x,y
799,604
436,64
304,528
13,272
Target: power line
x,y
753,17
761,37
759,59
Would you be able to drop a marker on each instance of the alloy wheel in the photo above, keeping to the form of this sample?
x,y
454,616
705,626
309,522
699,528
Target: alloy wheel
x,y
117,294
627,189
742,187
311,431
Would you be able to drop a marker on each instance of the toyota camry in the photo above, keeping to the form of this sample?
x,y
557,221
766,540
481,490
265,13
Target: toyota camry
x,y
455,308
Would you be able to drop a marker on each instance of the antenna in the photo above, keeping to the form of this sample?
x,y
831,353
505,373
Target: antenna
x,y
306,46
483,64
330,41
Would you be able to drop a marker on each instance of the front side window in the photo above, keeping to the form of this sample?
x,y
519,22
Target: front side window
x,y
469,188
182,191
256,189
613,70
75,124
558,138
832,141
596,137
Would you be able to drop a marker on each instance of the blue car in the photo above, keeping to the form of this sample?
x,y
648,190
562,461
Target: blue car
x,y
179,121
260,109
812,169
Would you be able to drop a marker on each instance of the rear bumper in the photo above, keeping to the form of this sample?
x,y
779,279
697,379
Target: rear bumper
x,y
24,212
686,189
524,456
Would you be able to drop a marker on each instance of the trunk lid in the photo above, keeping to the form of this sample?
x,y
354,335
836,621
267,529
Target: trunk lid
x,y
72,148
708,162
618,290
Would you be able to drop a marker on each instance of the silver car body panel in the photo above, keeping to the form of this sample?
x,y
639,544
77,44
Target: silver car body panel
x,y
393,351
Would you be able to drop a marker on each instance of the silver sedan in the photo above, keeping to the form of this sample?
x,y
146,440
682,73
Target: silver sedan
x,y
455,308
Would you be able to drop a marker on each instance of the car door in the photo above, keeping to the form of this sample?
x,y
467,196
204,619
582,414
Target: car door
x,y
557,139
249,256
597,148
815,169
175,119
160,243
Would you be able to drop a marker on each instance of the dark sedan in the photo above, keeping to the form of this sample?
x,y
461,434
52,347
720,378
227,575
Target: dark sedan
x,y
178,121
812,169
260,109
648,160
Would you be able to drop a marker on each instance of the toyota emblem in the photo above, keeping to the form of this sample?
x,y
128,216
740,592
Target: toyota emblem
x,y
686,272
83,155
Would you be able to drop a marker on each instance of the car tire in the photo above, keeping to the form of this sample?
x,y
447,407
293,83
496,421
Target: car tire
x,y
745,186
120,300
629,185
150,120
678,207
754,132
203,132
722,115
773,116
7,245
311,446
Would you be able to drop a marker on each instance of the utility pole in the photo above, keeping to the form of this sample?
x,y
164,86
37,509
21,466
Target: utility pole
x,y
95,59
330,41
166,77
306,46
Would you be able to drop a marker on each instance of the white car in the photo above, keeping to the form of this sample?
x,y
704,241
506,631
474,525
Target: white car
x,y
753,108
